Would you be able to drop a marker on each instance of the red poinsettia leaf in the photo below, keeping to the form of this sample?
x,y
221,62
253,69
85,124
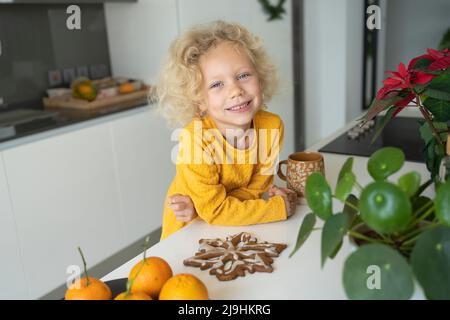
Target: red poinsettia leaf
x,y
391,82
440,64
379,105
413,62
381,94
422,78
402,70
435,53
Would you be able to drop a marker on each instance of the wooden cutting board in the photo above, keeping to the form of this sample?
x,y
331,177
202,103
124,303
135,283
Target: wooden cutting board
x,y
72,103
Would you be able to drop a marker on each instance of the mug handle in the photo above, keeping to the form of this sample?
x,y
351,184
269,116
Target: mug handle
x,y
280,172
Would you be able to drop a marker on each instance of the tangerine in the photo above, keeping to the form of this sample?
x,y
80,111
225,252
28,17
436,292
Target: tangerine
x,y
153,273
94,290
184,286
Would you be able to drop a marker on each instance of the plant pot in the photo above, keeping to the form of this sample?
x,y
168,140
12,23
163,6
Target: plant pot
x,y
365,230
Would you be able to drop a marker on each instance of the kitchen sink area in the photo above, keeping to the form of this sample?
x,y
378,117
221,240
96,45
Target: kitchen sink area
x,y
17,122
22,122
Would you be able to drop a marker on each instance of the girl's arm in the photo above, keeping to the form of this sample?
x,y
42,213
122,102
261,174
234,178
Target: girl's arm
x,y
201,183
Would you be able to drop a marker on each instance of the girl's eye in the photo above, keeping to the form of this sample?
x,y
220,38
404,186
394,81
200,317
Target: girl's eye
x,y
215,85
244,76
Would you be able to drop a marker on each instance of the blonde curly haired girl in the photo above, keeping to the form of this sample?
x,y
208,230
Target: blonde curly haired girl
x,y
215,84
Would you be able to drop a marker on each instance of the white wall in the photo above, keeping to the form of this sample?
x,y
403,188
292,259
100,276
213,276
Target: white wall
x,y
412,27
140,34
332,50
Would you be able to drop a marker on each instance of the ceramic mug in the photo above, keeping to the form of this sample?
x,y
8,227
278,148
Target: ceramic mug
x,y
299,166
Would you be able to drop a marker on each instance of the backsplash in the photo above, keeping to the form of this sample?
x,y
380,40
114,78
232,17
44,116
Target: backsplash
x,y
38,51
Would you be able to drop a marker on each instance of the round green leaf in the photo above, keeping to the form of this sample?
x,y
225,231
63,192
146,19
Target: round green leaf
x,y
305,230
409,183
385,207
345,186
377,272
333,231
442,202
318,195
385,162
430,260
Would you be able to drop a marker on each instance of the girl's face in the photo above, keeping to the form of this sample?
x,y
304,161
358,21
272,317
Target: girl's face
x,y
231,87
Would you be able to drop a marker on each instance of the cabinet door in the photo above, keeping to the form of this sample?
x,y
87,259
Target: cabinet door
x,y
145,170
64,193
12,277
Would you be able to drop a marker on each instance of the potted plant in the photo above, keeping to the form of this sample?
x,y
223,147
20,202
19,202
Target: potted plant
x,y
399,233
426,84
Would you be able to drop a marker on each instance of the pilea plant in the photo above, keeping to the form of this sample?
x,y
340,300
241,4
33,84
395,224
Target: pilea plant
x,y
398,232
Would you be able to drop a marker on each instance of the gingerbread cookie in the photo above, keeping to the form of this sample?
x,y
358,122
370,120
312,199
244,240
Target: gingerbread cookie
x,y
230,259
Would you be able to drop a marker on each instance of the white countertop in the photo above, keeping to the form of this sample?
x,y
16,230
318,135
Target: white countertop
x,y
299,277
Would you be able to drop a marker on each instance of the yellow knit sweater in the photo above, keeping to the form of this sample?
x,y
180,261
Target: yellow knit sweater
x,y
225,183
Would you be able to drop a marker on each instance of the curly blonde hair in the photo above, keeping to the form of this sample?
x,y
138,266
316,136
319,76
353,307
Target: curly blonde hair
x,y
178,90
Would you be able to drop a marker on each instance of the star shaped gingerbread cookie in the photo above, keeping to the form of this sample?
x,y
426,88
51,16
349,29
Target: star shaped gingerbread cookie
x,y
230,258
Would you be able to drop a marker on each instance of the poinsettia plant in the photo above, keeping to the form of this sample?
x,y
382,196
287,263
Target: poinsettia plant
x,y
424,84
401,236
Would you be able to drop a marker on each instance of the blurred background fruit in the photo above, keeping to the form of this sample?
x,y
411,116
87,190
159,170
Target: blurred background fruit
x,y
83,88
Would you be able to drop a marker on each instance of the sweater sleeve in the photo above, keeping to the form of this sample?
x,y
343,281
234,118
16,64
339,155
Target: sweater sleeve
x,y
260,182
201,183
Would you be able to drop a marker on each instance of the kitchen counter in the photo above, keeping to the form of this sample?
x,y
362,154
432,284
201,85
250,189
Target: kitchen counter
x,y
299,277
67,120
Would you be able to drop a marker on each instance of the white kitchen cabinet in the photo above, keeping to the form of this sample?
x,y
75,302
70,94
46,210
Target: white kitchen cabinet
x,y
144,170
65,194
12,277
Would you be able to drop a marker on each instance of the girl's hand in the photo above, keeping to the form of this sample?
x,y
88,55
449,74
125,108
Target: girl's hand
x,y
182,207
289,196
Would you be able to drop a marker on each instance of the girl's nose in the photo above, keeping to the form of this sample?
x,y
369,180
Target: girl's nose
x,y
236,91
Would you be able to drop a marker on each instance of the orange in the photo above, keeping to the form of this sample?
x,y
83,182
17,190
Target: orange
x,y
126,87
96,290
133,296
85,89
154,273
184,286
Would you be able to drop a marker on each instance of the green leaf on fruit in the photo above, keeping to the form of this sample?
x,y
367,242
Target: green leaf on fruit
x,y
318,195
385,162
377,272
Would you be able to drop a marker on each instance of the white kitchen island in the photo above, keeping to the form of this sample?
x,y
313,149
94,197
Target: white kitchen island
x,y
299,277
